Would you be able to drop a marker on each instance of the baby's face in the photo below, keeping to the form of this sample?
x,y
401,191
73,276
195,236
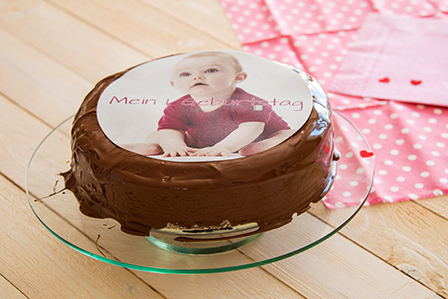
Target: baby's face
x,y
207,76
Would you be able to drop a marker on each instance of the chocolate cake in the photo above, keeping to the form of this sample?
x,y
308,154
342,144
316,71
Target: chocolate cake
x,y
144,193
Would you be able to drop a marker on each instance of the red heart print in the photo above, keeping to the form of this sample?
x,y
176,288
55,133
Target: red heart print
x,y
416,82
366,154
384,80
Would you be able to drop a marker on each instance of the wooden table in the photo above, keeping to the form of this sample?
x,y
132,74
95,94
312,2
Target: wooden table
x,y
51,54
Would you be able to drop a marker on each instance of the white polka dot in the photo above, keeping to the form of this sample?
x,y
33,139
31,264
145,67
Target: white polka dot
x,y
389,127
406,168
349,155
401,179
382,172
424,174
443,180
339,205
445,135
413,196
394,189
347,194
437,192
432,121
382,136
440,144
435,154
412,157
394,152
362,106
355,115
427,129
393,116
377,146
372,121
405,130
419,185
417,146
399,141
430,163
389,162
422,137
354,183
366,131
360,170
437,111
343,166
388,198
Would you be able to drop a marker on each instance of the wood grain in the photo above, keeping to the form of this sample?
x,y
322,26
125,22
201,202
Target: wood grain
x,y
8,290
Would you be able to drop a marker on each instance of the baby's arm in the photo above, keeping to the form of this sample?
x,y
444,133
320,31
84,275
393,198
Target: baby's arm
x,y
171,141
240,137
168,142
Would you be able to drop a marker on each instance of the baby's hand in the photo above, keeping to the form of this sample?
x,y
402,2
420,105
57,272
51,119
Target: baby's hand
x,y
211,151
175,150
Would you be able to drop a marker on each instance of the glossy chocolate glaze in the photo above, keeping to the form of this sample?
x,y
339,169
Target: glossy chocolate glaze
x,y
142,193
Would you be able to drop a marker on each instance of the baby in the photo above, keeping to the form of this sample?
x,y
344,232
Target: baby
x,y
214,118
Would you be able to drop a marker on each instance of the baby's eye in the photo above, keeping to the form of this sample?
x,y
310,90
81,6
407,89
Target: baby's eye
x,y
184,74
211,71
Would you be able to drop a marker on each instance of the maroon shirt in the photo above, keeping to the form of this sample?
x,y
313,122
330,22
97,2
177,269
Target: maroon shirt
x,y
208,128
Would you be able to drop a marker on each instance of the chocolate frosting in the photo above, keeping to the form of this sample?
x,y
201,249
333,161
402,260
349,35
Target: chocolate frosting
x,y
142,193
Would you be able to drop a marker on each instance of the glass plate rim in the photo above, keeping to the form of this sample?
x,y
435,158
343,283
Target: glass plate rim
x,y
206,270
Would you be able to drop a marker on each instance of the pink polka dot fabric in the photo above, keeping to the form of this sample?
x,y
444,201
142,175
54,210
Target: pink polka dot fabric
x,y
409,141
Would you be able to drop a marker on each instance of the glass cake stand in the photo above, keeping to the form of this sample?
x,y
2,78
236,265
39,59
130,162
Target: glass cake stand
x,y
58,211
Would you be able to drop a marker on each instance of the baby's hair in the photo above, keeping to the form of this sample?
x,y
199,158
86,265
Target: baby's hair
x,y
235,61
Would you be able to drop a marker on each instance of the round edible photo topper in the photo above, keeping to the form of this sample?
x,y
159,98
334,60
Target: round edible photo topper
x,y
204,106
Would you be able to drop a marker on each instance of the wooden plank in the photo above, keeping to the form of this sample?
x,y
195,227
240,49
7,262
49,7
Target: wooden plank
x,y
206,16
81,47
43,267
336,268
36,82
439,205
7,290
141,27
411,238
